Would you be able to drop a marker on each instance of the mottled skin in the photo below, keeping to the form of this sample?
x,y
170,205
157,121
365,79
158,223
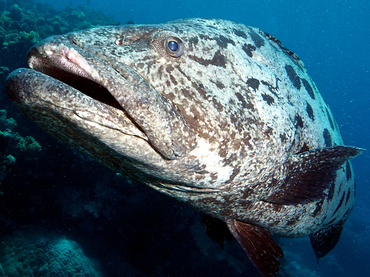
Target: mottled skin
x,y
233,126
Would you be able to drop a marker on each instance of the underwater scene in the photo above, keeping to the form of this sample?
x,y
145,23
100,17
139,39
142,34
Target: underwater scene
x,y
198,147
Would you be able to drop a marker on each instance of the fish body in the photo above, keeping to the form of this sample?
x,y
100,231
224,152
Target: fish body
x,y
216,114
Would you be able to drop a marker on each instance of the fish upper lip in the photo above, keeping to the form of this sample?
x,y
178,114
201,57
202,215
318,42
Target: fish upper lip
x,y
163,126
59,62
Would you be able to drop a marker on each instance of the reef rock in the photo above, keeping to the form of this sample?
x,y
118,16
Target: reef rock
x,y
38,254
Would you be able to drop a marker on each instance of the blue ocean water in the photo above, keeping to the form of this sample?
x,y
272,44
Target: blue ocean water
x,y
332,39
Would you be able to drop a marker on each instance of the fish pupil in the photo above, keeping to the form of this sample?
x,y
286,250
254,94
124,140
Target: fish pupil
x,y
173,45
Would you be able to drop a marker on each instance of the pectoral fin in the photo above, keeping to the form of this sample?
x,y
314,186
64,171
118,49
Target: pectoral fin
x,y
216,229
257,242
308,175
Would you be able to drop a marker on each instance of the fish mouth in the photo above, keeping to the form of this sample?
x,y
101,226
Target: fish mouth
x,y
69,77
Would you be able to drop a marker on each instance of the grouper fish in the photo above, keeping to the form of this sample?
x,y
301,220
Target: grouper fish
x,y
217,114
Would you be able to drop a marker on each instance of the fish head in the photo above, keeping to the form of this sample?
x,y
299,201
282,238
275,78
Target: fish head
x,y
168,102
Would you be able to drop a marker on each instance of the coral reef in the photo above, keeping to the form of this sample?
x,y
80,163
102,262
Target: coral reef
x,y
11,144
38,254
16,142
5,165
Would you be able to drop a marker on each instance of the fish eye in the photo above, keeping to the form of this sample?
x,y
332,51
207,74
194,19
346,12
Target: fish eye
x,y
167,44
174,47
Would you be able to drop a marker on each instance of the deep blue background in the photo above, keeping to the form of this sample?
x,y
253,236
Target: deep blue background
x,y
332,38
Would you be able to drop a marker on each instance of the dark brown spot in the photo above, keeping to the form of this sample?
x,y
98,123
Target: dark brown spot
x,y
186,93
173,80
236,171
268,98
240,33
298,121
223,152
219,84
304,148
169,69
185,75
217,60
217,104
214,176
246,141
233,157
253,83
170,96
348,171
330,119
331,191
270,87
310,111
201,91
242,100
348,196
248,49
267,132
340,204
193,41
283,138
341,185
294,78
257,39
318,208
223,41
159,71
203,36
308,88
327,138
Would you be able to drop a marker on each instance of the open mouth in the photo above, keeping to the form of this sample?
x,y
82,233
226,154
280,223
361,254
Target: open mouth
x,y
82,84
78,68
110,85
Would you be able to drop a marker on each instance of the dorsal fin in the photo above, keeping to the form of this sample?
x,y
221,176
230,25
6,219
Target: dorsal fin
x,y
257,242
309,175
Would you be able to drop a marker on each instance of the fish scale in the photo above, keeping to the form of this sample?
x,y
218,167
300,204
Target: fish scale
x,y
214,113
